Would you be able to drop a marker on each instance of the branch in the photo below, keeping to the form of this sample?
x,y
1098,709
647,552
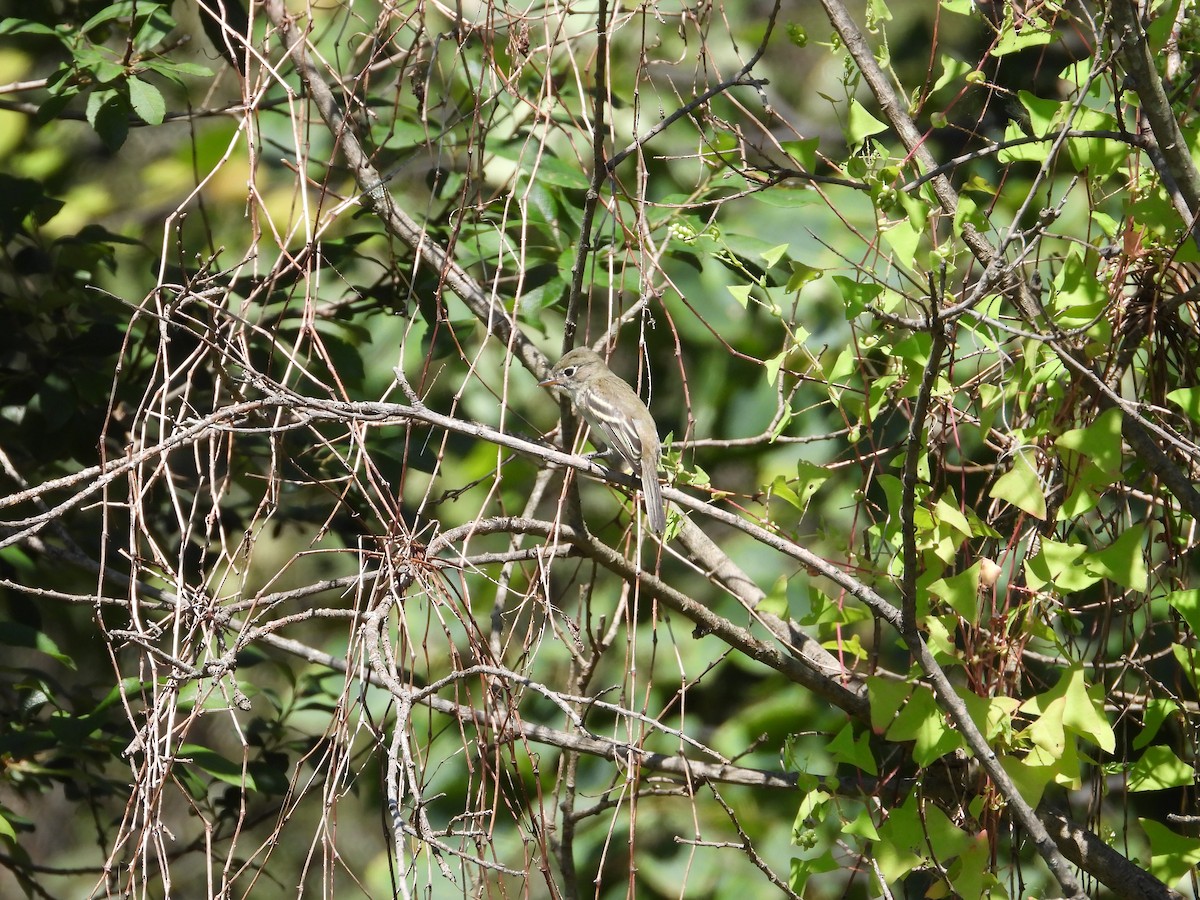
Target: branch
x,y
377,197
910,478
897,114
1175,164
741,79
896,111
808,664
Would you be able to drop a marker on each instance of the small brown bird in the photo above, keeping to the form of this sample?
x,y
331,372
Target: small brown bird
x,y
617,414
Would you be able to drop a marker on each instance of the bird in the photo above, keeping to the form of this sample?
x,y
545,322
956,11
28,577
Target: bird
x,y
617,414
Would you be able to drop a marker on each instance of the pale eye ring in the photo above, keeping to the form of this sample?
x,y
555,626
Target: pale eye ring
x,y
569,371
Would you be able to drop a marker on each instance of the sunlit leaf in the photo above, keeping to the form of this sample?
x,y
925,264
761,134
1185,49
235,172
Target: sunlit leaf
x,y
1021,486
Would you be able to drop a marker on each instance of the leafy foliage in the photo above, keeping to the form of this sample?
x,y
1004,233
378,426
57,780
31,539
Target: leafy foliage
x,y
306,587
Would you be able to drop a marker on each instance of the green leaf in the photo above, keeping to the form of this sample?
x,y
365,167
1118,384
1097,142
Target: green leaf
x,y
1189,662
861,826
6,828
1047,730
24,26
154,27
801,275
904,237
118,10
216,765
1021,487
1045,116
1123,561
812,807
1032,32
856,295
24,198
146,101
915,833
886,697
551,170
953,70
16,634
1156,713
860,124
55,104
100,64
741,293
803,869
1099,443
960,592
948,515
108,113
1078,296
773,255
1085,712
809,478
1031,779
1057,565
1072,705
971,873
844,748
1187,604
776,601
992,715
787,197
543,168
177,70
941,635
1100,156
1159,768
1171,855
824,611
901,846
1187,399
922,721
1018,148
804,151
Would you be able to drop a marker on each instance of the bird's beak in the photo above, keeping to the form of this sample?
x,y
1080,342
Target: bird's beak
x,y
549,382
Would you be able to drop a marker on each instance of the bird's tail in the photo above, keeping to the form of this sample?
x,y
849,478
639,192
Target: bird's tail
x,y
656,506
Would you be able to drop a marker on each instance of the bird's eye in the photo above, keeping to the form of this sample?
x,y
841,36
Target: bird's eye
x,y
569,371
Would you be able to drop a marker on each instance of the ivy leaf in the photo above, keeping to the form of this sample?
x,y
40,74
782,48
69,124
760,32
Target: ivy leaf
x,y
886,697
1030,777
1071,705
970,872
1156,713
1187,399
856,295
960,592
1187,604
1056,565
1159,768
1032,33
1171,855
1099,443
1021,487
844,748
953,70
860,124
923,722
1123,560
